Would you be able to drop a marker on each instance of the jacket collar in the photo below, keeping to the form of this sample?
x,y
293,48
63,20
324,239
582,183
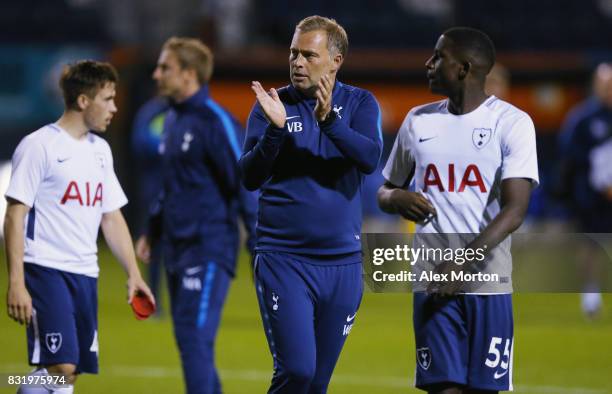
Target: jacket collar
x,y
194,101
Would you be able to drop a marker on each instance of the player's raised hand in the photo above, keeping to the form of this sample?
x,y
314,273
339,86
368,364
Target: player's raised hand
x,y
412,205
324,98
19,304
273,107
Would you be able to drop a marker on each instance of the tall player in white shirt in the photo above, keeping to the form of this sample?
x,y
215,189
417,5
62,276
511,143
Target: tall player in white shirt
x,y
62,190
474,162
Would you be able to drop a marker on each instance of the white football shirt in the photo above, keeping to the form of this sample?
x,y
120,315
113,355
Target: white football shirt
x,y
68,184
459,162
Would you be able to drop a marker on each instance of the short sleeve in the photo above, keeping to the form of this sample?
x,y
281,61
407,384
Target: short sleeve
x,y
28,169
114,197
400,163
519,156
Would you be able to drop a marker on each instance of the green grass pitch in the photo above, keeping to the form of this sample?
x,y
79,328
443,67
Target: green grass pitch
x,y
556,349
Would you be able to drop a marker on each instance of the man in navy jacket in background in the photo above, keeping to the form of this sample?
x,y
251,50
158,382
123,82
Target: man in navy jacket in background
x,y
308,147
200,203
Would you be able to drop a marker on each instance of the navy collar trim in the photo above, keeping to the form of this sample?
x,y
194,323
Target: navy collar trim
x,y
197,99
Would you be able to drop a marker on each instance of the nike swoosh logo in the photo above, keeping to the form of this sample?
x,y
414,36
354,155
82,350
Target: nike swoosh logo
x,y
427,139
62,160
292,117
497,376
193,270
350,318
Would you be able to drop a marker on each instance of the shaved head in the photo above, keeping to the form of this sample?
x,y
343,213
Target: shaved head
x,y
602,83
473,46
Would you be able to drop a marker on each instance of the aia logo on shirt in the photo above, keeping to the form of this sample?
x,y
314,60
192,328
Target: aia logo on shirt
x,y
86,194
471,177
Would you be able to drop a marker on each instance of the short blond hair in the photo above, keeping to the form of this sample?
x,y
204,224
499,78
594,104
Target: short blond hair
x,y
192,53
337,40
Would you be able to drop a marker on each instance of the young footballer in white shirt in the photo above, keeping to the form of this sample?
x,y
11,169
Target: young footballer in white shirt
x,y
63,189
473,161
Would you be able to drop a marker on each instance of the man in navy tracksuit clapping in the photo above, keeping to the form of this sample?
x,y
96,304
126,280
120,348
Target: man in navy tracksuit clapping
x,y
308,147
202,198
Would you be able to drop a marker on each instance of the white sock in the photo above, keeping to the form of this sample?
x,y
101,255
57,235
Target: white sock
x,y
591,303
34,389
44,389
60,388
67,389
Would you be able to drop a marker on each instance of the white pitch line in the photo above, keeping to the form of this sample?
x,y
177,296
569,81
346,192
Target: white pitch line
x,y
340,379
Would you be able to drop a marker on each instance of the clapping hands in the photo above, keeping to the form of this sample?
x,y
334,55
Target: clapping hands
x,y
271,104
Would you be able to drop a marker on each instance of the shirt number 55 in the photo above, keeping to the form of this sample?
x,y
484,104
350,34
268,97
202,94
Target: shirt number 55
x,y
495,358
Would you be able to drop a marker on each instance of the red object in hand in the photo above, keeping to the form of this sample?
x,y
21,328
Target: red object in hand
x,y
142,307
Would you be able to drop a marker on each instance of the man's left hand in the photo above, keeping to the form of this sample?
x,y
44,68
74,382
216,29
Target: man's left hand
x,y
324,98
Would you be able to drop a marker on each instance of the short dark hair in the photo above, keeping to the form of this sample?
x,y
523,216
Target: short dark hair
x,y
474,45
85,77
337,40
192,53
